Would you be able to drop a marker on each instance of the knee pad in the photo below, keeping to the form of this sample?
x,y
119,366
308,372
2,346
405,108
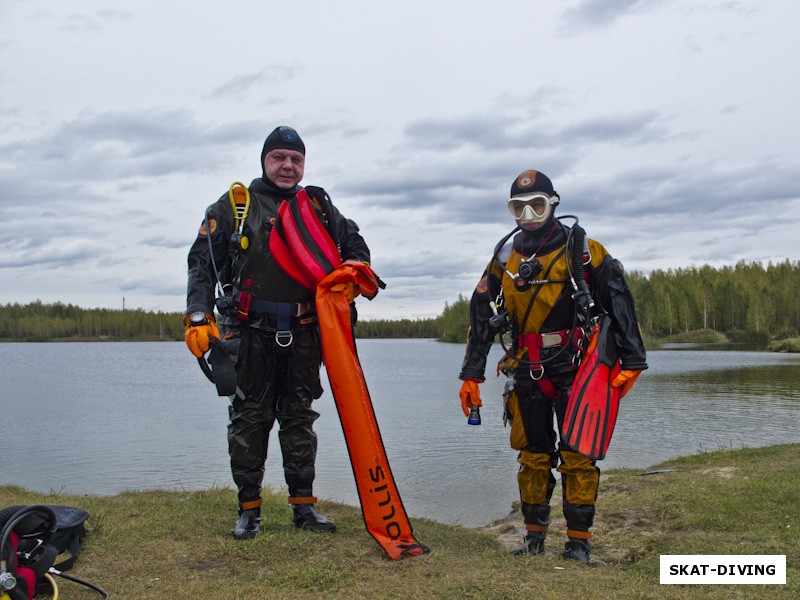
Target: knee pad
x,y
580,478
535,479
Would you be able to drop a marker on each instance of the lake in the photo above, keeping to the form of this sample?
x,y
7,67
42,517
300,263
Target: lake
x,y
101,418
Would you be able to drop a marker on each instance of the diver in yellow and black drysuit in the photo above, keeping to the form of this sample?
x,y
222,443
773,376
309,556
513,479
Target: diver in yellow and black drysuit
x,y
273,321
527,289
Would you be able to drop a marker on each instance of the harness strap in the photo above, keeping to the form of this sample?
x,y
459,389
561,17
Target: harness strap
x,y
283,313
291,309
534,342
551,339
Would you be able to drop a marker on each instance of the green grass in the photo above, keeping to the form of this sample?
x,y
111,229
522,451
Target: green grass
x,y
172,544
787,345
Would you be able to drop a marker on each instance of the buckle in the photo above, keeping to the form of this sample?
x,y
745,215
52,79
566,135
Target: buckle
x,y
280,336
551,339
541,373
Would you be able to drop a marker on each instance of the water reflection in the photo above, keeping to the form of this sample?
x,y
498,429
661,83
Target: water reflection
x,y
692,401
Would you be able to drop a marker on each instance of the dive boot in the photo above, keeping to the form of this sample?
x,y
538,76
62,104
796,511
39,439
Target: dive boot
x,y
305,517
532,544
248,525
577,549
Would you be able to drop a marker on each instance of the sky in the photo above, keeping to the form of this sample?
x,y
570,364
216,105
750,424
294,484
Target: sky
x,y
669,127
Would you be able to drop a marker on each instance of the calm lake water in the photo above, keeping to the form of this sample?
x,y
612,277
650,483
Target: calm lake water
x,y
100,418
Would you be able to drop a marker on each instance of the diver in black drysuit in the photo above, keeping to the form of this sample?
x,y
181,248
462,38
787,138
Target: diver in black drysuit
x,y
272,319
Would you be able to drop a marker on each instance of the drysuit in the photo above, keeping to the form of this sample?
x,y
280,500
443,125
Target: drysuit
x,y
544,331
271,319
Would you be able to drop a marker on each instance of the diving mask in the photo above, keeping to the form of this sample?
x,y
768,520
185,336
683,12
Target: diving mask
x,y
532,208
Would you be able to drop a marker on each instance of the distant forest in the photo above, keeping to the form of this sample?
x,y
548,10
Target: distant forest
x,y
747,301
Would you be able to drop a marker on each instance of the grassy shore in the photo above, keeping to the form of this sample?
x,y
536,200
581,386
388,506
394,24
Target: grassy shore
x,y
787,345
173,544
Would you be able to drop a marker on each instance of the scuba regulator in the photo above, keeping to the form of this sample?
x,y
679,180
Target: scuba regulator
x,y
527,272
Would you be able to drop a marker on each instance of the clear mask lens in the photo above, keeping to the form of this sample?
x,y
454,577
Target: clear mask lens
x,y
532,207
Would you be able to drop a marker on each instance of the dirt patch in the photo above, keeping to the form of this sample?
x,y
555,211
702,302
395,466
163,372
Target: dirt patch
x,y
508,533
724,472
610,544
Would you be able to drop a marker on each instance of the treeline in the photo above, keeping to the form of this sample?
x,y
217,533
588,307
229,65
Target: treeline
x,y
748,301
45,322
40,322
450,326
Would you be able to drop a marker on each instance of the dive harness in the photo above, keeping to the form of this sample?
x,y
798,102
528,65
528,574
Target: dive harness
x,y
574,337
219,367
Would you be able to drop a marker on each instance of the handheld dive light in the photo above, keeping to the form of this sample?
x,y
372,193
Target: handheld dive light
x,y
474,417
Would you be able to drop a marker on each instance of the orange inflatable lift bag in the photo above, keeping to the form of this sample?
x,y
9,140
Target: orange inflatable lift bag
x,y
306,252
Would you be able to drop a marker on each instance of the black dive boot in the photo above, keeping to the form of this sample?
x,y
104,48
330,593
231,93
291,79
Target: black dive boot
x,y
532,544
577,549
300,479
537,516
305,517
248,525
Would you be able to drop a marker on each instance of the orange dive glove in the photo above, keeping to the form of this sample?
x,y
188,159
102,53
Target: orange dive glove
x,y
470,395
200,330
624,381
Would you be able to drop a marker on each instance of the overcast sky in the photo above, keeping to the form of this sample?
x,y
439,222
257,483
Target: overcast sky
x,y
668,126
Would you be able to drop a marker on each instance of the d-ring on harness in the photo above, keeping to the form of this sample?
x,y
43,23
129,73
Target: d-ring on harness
x,y
282,311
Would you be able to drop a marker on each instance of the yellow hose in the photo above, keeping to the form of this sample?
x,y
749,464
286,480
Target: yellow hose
x,y
53,584
231,197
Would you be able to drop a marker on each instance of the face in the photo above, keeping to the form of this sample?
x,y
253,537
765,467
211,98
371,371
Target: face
x,y
284,168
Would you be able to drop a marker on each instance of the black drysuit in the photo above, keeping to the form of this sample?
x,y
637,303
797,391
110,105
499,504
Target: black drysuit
x,y
276,380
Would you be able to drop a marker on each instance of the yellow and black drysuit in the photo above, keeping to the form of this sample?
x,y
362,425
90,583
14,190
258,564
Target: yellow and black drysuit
x,y
273,320
541,361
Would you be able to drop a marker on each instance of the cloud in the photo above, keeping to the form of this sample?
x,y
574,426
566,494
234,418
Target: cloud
x,y
151,286
28,252
113,150
94,21
460,168
651,119
247,82
163,241
588,15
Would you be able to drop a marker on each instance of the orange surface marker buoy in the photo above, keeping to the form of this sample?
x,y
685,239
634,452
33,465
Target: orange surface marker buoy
x,y
384,515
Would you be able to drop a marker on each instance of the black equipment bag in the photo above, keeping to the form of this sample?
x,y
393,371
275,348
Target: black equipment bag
x,y
31,540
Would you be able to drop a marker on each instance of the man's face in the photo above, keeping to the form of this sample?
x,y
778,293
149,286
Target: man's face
x,y
284,168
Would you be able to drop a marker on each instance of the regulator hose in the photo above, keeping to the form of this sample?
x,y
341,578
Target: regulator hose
x,y
10,518
583,297
576,239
